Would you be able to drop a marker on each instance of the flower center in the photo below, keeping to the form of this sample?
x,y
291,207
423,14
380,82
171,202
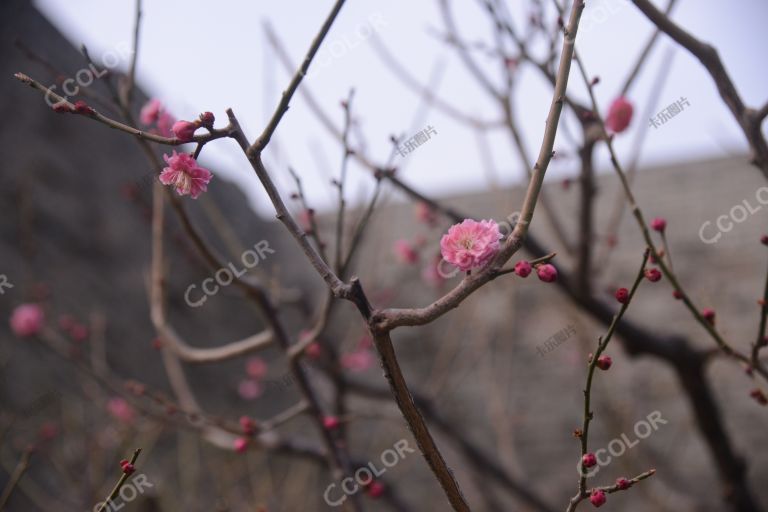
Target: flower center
x,y
184,182
467,243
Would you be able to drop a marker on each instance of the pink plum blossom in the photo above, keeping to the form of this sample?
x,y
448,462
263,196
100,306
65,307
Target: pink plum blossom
x,y
405,252
619,115
256,368
27,320
249,389
165,124
241,445
185,175
184,130
150,112
471,244
121,410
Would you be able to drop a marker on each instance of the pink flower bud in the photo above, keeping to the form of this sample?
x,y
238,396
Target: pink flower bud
x,y
619,115
522,268
127,467
27,320
207,119
677,294
61,107
331,422
314,350
659,224
184,130
764,239
623,484
375,489
588,460
547,273
121,410
709,315
405,252
597,498
241,444
653,274
248,426
759,396
255,367
82,107
604,362
622,295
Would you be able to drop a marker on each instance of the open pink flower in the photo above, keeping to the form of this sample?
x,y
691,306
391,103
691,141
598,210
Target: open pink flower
x,y
150,112
619,115
121,410
471,244
165,124
27,320
184,174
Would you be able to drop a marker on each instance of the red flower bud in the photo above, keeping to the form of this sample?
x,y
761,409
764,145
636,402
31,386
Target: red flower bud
x,y
61,107
709,315
604,362
597,498
248,425
622,295
207,119
653,274
82,107
759,396
547,273
659,224
619,115
623,484
375,489
522,268
588,460
331,422
127,467
241,445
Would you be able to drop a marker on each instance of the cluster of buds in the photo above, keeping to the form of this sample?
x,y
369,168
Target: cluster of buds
x,y
185,130
546,271
78,107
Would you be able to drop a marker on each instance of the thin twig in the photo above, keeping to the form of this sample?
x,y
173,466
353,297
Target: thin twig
x,y
123,478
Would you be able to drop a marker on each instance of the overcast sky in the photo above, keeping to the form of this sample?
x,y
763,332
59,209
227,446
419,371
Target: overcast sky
x,y
199,55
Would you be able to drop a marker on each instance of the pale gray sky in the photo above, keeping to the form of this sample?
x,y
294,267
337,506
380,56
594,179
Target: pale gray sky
x,y
199,55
